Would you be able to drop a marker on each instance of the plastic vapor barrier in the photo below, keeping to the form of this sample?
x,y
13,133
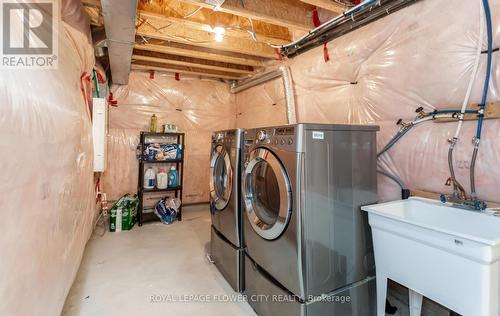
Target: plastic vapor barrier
x,y
197,107
422,55
46,184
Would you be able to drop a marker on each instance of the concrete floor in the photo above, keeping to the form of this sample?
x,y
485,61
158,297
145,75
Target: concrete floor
x,y
147,270
120,272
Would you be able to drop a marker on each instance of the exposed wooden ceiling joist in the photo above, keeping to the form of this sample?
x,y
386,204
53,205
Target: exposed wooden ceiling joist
x,y
147,67
160,28
199,52
204,17
326,4
190,62
290,14
92,3
229,31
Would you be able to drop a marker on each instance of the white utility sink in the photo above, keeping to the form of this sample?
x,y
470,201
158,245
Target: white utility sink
x,y
445,253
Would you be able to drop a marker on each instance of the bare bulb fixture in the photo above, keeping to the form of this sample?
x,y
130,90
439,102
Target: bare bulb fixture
x,y
219,33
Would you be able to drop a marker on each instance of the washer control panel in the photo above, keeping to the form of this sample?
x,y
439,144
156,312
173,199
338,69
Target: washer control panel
x,y
282,137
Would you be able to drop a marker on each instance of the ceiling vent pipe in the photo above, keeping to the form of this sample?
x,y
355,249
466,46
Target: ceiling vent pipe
x,y
119,21
284,73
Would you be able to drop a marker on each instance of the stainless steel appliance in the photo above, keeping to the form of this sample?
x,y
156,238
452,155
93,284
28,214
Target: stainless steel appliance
x,y
226,244
308,244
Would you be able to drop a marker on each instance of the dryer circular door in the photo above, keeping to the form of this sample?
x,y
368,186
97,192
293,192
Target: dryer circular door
x,y
221,178
267,194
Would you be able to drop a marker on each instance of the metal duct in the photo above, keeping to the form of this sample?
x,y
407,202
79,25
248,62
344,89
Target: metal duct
x,y
119,21
284,73
100,42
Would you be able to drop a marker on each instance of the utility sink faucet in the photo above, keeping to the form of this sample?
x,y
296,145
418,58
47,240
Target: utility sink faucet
x,y
465,203
459,197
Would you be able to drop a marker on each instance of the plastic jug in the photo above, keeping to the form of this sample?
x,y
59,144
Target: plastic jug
x,y
162,179
173,178
149,178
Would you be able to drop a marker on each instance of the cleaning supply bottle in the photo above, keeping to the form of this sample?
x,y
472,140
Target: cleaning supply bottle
x,y
173,178
149,178
161,179
153,123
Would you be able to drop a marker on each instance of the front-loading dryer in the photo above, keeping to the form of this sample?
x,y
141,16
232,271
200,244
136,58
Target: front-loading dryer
x,y
226,243
308,244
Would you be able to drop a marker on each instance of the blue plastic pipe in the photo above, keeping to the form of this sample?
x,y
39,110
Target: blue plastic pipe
x,y
453,111
489,29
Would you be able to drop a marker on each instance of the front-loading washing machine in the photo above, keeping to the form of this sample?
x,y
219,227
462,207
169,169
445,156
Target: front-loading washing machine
x,y
226,242
308,244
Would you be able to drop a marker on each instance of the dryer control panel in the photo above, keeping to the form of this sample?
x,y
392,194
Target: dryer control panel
x,y
224,137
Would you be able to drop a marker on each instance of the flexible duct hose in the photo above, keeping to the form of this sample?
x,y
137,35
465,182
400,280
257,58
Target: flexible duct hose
x,y
395,139
472,172
400,182
434,115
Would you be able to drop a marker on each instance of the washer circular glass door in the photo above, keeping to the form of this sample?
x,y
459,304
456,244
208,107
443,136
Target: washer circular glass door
x,y
267,194
221,178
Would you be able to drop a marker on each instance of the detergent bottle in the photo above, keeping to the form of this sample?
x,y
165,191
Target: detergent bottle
x,y
149,178
173,178
161,179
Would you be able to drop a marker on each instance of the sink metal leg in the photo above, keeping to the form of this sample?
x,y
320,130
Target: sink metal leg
x,y
381,294
415,302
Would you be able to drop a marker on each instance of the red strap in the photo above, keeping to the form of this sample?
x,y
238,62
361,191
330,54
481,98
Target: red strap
x,y
98,189
278,54
356,2
316,23
326,55
177,76
315,18
151,74
112,101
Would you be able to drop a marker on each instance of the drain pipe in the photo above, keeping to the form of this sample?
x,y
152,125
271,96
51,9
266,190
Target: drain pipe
x,y
284,73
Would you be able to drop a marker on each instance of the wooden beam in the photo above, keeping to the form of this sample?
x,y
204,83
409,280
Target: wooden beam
x,y
159,28
492,111
181,71
230,31
92,3
326,4
241,26
189,64
436,196
198,52
95,16
290,14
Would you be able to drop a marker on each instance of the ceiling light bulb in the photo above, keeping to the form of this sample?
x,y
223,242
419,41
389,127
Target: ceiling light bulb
x,y
219,30
219,37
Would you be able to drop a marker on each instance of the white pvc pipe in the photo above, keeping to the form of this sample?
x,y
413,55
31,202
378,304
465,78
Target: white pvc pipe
x,y
474,71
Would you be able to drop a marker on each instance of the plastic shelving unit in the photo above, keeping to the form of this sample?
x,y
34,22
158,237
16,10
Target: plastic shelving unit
x,y
179,164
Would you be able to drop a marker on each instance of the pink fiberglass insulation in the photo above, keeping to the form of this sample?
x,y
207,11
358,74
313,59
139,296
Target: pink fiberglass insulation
x,y
422,55
197,107
46,182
